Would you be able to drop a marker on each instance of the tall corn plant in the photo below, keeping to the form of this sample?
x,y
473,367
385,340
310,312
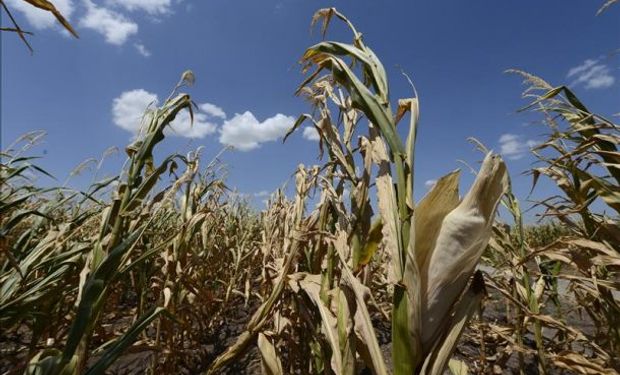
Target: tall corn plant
x,y
433,247
527,285
580,155
122,223
42,246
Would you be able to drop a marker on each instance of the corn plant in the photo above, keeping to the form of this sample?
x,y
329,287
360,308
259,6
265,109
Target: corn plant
x,y
121,225
422,298
84,274
37,270
580,155
433,246
559,277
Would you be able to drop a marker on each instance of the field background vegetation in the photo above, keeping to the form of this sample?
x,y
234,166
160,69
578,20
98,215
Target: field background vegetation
x,y
162,268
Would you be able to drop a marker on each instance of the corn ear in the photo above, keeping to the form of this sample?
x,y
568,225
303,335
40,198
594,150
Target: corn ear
x,y
463,236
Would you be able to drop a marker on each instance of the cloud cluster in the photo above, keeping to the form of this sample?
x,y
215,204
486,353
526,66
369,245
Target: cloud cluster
x,y
201,127
213,110
115,27
514,146
152,7
129,108
243,131
110,18
592,74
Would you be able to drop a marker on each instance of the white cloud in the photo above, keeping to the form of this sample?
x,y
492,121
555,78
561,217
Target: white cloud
x,y
514,146
142,50
213,110
115,27
246,133
183,127
262,194
129,107
430,183
592,74
39,18
310,133
152,7
243,131
581,68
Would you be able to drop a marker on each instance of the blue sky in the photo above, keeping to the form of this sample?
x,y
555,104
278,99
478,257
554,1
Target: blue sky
x,y
244,55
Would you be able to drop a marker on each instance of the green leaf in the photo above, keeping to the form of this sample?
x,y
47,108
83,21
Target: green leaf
x,y
123,342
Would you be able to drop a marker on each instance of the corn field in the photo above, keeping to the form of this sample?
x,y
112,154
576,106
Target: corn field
x,y
161,269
